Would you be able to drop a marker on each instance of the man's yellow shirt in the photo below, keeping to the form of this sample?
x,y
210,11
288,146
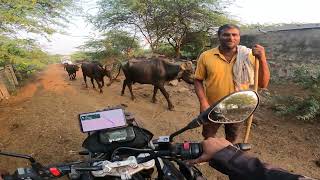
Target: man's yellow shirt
x,y
216,71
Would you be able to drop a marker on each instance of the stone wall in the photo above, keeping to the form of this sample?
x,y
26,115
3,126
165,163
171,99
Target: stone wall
x,y
287,50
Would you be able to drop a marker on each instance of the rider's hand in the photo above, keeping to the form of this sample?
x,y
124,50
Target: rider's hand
x,y
3,173
210,146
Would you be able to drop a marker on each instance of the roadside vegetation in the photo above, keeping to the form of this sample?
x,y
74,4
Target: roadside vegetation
x,y
307,107
22,18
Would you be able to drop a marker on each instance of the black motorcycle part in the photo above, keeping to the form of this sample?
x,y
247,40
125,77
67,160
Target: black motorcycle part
x,y
188,150
170,172
189,172
92,143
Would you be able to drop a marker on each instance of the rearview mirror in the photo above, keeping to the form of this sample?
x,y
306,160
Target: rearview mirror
x,y
234,108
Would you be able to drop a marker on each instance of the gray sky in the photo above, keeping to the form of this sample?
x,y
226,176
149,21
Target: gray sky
x,y
247,11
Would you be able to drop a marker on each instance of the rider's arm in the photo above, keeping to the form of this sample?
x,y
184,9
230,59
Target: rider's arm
x,y
237,165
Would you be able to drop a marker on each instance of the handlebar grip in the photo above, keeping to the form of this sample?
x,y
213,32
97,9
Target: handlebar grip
x,y
8,177
188,150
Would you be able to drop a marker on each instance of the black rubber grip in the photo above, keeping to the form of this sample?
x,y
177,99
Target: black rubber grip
x,y
8,177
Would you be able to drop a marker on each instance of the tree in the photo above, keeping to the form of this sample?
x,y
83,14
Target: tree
x,y
79,55
37,16
120,42
189,16
142,14
159,20
194,43
24,55
112,43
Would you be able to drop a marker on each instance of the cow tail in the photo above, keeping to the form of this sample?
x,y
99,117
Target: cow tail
x,y
120,66
112,79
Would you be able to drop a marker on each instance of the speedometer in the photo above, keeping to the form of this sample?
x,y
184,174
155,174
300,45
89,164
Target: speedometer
x,y
117,135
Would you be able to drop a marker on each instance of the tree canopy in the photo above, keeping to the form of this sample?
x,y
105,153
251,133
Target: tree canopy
x,y
112,43
160,21
37,16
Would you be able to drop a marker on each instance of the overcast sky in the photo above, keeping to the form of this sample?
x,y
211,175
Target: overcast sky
x,y
247,11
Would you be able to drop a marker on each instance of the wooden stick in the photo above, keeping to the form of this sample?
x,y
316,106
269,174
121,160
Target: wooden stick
x,y
256,77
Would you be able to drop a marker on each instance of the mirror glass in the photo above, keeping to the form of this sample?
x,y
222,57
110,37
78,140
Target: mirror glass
x,y
234,108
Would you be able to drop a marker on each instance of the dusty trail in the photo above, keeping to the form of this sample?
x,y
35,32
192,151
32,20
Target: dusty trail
x,y
42,121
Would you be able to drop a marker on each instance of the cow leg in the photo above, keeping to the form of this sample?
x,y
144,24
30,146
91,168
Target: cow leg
x,y
166,95
99,85
102,79
130,88
155,90
85,80
123,86
110,81
93,83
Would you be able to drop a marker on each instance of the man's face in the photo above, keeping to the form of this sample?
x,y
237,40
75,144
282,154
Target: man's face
x,y
229,38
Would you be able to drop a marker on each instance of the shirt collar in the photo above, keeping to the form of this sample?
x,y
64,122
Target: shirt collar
x,y
221,56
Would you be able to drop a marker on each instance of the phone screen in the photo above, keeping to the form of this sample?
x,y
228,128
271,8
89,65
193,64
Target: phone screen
x,y
102,120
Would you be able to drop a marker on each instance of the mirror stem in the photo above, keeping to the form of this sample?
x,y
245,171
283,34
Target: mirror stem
x,y
18,156
177,133
193,124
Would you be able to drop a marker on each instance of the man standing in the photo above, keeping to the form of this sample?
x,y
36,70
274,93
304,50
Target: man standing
x,y
226,69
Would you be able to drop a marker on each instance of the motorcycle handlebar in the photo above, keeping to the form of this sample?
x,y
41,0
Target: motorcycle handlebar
x,y
182,151
48,173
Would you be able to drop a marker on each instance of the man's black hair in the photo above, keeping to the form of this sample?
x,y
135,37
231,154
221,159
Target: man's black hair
x,y
227,26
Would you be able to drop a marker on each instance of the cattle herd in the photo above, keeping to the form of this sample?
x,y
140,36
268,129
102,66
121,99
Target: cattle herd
x,y
155,71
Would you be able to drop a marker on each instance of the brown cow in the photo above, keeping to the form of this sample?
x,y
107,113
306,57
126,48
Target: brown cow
x,y
96,71
72,70
155,72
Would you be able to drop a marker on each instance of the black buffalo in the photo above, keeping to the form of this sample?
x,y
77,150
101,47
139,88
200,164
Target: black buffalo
x,y
155,72
95,71
72,70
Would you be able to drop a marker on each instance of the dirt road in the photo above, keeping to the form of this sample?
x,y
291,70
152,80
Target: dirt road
x,y
41,120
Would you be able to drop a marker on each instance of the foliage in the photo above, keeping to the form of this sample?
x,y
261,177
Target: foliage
x,y
306,77
79,55
37,16
24,54
194,43
112,44
309,109
119,43
303,109
165,49
160,21
42,17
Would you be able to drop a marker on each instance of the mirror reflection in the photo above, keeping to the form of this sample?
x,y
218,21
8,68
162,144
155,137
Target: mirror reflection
x,y
235,108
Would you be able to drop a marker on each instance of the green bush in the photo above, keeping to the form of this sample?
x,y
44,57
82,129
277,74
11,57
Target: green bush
x,y
303,109
165,49
308,109
306,77
25,56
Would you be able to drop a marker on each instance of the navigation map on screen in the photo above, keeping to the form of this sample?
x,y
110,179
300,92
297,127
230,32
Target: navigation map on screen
x,y
102,120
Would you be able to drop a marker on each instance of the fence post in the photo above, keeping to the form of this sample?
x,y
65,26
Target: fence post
x,y
12,74
4,94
